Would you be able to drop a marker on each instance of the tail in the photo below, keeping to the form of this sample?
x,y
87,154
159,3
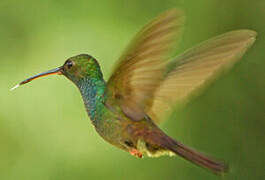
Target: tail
x,y
194,156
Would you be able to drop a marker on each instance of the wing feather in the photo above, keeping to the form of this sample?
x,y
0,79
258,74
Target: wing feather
x,y
193,70
140,69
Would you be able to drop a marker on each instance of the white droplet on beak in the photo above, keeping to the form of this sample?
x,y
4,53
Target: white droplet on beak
x,y
13,88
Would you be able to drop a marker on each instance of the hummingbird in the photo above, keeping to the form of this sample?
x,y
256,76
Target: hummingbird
x,y
148,82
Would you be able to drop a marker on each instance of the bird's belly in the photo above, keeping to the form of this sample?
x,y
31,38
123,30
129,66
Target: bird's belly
x,y
111,131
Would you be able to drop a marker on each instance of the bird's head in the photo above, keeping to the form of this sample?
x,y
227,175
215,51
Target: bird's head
x,y
79,67
75,69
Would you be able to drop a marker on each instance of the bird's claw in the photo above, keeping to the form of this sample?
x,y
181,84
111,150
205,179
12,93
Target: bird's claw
x,y
136,153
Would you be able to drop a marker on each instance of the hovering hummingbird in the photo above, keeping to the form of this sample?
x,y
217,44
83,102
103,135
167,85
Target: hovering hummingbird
x,y
147,83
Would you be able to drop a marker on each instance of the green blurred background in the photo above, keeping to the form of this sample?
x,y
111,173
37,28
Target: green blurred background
x,y
45,133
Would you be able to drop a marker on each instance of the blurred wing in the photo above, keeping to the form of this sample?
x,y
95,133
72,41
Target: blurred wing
x,y
198,66
139,70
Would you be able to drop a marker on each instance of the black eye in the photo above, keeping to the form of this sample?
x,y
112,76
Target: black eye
x,y
69,64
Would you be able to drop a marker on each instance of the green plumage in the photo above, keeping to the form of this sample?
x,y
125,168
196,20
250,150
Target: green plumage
x,y
127,108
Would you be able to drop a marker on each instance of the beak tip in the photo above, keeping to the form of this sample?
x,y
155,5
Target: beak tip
x,y
16,86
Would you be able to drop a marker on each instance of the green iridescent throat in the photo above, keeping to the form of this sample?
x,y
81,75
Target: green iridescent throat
x,y
92,91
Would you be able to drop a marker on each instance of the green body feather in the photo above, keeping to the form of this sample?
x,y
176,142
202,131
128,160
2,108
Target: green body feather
x,y
145,83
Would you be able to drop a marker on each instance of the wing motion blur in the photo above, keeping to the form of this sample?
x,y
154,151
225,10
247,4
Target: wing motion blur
x,y
146,81
140,69
193,70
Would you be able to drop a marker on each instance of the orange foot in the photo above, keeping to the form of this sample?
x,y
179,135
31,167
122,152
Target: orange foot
x,y
136,153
